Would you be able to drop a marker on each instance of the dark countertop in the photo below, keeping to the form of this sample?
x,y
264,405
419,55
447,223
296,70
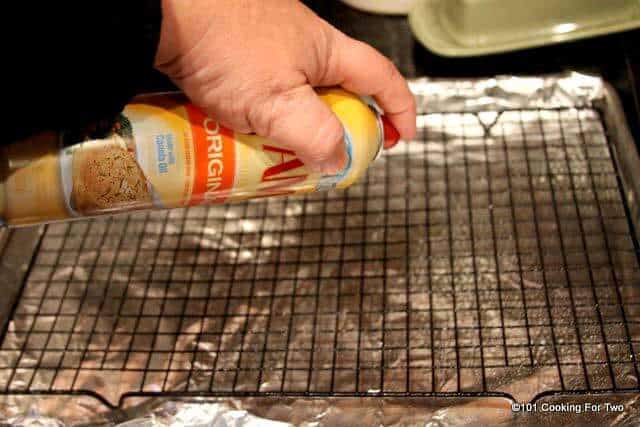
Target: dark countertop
x,y
616,57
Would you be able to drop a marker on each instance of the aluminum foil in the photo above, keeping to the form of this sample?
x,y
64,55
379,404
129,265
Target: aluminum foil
x,y
507,93
448,135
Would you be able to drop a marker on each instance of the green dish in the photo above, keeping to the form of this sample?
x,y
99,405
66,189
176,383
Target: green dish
x,y
479,27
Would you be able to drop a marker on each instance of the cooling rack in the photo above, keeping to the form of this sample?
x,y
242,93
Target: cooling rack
x,y
468,262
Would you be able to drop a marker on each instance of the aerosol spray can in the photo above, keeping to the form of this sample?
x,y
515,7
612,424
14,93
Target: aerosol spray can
x,y
163,152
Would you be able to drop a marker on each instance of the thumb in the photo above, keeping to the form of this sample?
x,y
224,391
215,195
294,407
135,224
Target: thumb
x,y
300,121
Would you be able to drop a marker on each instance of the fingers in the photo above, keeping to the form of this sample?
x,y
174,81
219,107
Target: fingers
x,y
361,69
300,121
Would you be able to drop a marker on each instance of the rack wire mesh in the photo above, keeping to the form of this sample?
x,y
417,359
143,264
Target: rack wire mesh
x,y
470,260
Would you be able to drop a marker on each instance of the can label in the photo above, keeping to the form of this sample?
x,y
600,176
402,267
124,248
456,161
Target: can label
x,y
168,154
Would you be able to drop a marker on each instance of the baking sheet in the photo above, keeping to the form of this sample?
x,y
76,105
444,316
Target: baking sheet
x,y
490,260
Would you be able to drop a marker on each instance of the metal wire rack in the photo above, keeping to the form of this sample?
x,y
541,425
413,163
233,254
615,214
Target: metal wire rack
x,y
465,262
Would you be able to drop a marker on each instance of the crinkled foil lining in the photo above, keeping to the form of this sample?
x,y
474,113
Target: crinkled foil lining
x,y
506,93
485,97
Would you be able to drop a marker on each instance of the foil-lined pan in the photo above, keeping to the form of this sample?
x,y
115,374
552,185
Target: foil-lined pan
x,y
414,277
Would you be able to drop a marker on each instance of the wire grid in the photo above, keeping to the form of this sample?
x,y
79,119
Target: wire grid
x,y
470,261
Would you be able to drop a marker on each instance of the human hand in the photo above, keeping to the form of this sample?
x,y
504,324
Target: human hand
x,y
252,65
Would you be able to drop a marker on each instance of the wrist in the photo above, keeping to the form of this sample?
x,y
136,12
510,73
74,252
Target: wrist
x,y
167,46
184,25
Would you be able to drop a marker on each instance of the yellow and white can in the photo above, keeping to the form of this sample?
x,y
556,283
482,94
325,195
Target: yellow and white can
x,y
163,152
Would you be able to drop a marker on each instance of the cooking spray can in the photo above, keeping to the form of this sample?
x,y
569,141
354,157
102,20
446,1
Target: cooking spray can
x,y
163,152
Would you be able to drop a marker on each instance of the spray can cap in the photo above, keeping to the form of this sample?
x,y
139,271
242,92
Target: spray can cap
x,y
391,134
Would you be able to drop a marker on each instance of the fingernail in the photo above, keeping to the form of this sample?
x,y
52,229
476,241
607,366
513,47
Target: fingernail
x,y
336,163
